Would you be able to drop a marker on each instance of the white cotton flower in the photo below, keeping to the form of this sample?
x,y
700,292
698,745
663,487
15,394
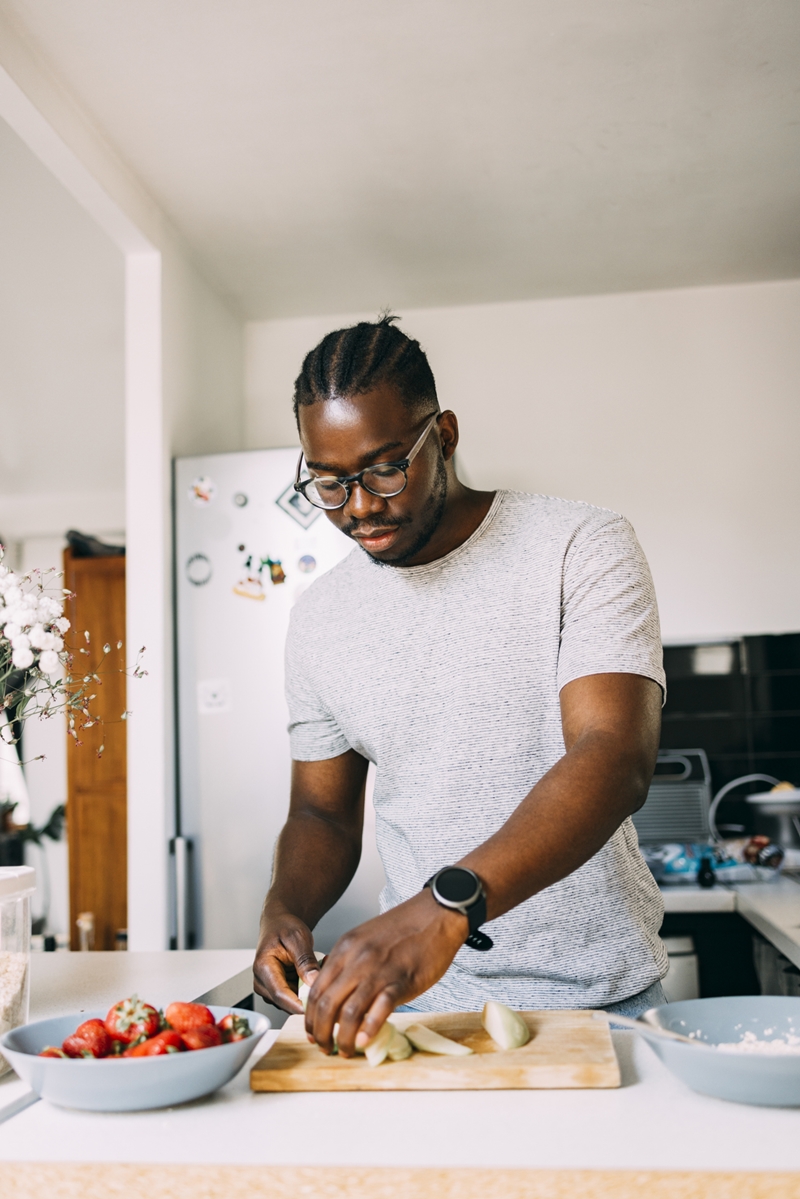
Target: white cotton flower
x,y
13,595
38,636
49,662
49,609
62,624
48,641
12,630
21,641
22,658
57,645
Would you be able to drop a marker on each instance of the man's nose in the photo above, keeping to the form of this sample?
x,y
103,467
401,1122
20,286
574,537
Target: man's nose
x,y
362,503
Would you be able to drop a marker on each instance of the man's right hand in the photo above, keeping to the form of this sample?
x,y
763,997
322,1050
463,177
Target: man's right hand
x,y
285,948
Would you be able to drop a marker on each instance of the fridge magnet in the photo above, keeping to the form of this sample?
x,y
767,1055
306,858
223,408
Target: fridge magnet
x,y
276,572
250,586
240,499
297,506
306,564
198,570
202,491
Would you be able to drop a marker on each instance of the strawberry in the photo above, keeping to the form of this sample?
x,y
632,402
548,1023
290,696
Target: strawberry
x,y
90,1039
234,1027
183,1016
130,1019
167,1041
53,1051
202,1038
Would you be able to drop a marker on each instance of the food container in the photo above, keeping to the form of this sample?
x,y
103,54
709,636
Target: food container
x,y
765,1071
17,884
121,1084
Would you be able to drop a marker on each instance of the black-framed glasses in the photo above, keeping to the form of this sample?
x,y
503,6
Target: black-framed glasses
x,y
385,478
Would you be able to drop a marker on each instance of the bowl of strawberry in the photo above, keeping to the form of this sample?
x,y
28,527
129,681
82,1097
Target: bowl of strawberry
x,y
135,1056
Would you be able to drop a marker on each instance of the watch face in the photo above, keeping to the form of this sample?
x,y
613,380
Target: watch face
x,y
457,885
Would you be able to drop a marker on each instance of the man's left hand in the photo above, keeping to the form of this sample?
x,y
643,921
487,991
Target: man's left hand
x,y
379,965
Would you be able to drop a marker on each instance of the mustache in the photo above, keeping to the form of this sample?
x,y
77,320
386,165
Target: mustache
x,y
354,527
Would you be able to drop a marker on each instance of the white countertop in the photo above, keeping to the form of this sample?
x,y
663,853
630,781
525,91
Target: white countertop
x,y
652,1122
691,898
772,908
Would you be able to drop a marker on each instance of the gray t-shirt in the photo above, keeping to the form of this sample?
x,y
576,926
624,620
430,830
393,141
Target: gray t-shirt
x,y
447,676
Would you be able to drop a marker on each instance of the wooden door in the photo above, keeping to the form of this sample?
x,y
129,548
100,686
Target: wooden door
x,y
97,791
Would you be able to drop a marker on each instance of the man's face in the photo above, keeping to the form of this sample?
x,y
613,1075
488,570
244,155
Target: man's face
x,y
344,435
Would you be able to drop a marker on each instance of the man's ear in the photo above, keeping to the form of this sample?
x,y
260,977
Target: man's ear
x,y
448,433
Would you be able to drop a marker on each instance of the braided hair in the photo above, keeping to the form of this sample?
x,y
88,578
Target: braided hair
x,y
351,361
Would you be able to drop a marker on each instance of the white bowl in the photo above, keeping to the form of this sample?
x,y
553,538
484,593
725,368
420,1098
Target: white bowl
x,y
762,1078
124,1084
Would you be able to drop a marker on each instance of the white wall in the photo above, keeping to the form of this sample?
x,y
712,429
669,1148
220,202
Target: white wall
x,y
680,409
183,373
62,451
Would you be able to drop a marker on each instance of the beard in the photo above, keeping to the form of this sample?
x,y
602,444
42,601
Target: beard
x,y
430,518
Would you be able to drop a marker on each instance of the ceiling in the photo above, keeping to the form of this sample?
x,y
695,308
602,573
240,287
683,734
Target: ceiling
x,y
338,155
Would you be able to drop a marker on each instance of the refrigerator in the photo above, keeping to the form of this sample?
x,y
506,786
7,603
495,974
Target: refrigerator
x,y
246,547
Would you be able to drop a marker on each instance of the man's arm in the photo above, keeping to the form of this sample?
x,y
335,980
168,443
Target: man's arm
x,y
316,856
611,725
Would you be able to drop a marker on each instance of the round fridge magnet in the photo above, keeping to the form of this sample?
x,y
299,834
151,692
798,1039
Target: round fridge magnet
x,y
202,491
198,569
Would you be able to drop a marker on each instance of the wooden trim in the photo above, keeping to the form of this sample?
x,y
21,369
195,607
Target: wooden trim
x,y
97,786
28,1180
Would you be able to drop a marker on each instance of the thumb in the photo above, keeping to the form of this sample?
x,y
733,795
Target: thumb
x,y
306,965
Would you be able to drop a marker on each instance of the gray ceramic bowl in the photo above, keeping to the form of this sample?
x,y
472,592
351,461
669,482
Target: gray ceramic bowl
x,y
123,1084
762,1078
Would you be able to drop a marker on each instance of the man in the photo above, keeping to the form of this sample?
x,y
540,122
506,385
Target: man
x,y
497,656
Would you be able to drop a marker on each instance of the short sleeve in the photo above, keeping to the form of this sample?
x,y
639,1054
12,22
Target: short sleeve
x,y
609,614
313,732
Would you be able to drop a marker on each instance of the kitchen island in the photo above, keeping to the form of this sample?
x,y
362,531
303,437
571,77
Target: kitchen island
x,y
652,1131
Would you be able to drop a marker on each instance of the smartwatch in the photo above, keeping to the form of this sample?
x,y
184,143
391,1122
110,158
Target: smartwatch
x,y
461,890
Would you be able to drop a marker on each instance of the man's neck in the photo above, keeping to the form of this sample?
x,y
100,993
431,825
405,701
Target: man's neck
x,y
464,512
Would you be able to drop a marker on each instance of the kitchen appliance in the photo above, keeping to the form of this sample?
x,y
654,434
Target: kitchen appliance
x,y
676,808
778,815
682,980
566,1049
246,547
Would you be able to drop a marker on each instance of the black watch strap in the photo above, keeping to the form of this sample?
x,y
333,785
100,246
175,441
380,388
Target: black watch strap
x,y
476,915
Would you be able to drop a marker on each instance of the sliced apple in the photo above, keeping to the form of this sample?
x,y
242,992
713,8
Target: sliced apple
x,y
378,1049
429,1041
401,1047
506,1028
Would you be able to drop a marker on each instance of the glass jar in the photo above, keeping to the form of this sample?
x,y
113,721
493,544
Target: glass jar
x,y
17,884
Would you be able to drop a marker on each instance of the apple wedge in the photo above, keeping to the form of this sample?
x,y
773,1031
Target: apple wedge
x,y
429,1041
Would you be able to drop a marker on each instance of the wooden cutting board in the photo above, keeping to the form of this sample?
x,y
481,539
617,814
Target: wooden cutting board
x,y
566,1049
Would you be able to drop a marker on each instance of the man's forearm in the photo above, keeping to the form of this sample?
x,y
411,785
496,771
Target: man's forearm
x,y
573,810
315,860
564,820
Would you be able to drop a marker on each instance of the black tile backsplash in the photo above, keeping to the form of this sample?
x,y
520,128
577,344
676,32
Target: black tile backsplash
x,y
776,734
704,694
775,652
773,692
747,719
720,734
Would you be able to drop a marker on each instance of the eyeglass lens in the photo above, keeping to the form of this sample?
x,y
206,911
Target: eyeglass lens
x,y
381,480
